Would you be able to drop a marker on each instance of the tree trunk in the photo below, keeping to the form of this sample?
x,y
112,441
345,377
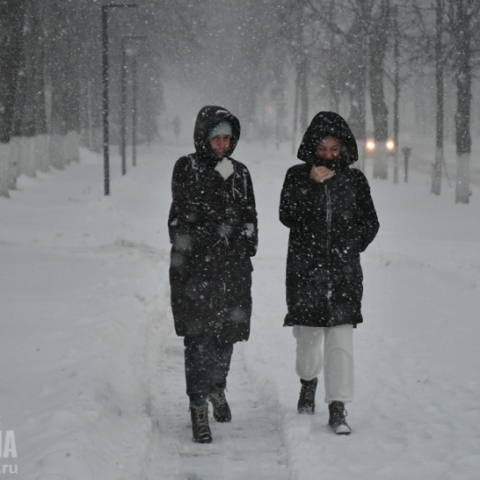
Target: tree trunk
x,y
63,76
358,56
29,118
4,169
12,17
333,68
377,51
302,67
437,166
90,80
396,86
463,78
295,117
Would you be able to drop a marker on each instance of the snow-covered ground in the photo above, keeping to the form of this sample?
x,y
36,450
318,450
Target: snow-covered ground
x,y
92,383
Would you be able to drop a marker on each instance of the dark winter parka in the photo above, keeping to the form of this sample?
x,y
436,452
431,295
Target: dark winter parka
x,y
330,224
213,231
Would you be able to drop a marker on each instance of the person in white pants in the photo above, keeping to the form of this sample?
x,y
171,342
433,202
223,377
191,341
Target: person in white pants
x,y
328,208
330,349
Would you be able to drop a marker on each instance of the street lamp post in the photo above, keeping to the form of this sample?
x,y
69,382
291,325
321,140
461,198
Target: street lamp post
x,y
134,111
123,119
105,106
406,153
123,107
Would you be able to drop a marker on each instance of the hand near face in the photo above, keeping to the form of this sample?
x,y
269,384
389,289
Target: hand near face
x,y
320,174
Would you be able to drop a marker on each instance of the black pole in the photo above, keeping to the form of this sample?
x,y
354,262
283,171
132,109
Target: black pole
x,y
106,153
124,103
295,116
134,111
105,106
406,153
396,101
123,120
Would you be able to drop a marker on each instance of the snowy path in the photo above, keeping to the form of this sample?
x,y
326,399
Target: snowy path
x,y
92,372
85,278
233,454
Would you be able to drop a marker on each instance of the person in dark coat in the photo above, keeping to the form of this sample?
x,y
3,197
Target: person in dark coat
x,y
328,208
213,232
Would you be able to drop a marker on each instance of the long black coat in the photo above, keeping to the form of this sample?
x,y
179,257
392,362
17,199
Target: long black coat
x,y
213,231
330,224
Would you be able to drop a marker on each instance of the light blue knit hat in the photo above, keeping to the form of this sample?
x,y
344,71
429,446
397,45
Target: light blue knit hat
x,y
223,128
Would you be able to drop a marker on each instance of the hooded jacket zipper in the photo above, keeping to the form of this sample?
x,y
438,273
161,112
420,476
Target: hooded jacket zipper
x,y
225,244
328,200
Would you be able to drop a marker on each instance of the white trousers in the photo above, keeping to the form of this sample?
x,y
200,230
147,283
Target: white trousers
x,y
336,359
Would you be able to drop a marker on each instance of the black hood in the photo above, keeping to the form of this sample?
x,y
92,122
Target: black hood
x,y
323,125
207,118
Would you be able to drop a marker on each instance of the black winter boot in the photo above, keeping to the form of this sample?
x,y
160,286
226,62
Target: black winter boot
x,y
337,419
200,429
221,410
306,402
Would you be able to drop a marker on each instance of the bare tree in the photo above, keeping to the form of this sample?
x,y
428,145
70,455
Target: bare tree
x,y
63,48
358,34
378,41
29,127
399,67
299,52
439,82
357,56
12,17
463,21
434,46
